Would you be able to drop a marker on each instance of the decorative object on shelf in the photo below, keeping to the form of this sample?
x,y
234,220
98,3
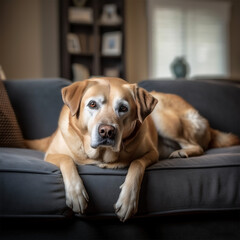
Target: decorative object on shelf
x,y
110,16
73,44
179,67
111,72
2,74
112,44
79,3
80,72
80,15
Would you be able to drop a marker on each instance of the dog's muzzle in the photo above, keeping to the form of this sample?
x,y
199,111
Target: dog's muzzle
x,y
106,135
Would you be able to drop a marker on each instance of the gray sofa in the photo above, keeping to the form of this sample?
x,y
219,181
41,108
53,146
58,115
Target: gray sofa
x,y
194,198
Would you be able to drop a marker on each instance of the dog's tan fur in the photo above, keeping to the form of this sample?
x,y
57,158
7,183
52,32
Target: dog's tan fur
x,y
144,133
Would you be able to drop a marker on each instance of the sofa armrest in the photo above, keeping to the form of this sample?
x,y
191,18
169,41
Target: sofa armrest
x,y
218,102
37,104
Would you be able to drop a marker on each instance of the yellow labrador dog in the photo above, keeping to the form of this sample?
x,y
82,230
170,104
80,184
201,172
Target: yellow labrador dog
x,y
113,124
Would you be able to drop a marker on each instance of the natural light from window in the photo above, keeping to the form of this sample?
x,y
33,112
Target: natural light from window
x,y
196,30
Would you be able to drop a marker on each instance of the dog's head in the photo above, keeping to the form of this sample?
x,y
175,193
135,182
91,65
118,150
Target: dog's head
x,y
107,109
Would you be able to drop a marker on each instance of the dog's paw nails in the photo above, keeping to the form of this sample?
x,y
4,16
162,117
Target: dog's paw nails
x,y
117,208
69,203
77,198
102,165
127,203
84,192
178,154
82,204
122,219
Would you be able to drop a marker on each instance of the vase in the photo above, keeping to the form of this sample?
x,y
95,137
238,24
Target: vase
x,y
180,67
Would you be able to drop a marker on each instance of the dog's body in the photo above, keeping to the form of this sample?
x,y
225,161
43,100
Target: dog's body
x,y
113,124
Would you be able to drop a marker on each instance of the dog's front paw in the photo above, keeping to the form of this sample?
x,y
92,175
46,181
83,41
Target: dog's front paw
x,y
179,154
77,197
127,203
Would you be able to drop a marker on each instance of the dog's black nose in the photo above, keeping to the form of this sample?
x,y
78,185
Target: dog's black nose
x,y
107,131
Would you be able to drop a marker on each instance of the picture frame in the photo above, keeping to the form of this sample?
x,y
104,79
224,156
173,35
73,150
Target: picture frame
x,y
73,43
112,43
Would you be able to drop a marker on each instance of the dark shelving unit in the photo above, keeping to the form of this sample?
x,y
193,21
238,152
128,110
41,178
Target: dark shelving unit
x,y
94,61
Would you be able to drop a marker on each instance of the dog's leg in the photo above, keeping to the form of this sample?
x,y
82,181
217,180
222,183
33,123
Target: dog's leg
x,y
190,131
187,150
76,195
127,203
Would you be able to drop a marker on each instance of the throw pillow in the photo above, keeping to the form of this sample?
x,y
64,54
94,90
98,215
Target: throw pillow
x,y
10,133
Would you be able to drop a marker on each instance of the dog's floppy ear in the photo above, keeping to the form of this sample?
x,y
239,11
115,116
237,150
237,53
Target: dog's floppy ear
x,y
145,102
72,95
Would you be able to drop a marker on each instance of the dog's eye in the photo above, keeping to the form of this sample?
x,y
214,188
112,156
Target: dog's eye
x,y
123,109
92,104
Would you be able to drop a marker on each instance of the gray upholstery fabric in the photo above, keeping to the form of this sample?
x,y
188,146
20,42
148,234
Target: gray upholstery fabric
x,y
37,104
208,182
31,187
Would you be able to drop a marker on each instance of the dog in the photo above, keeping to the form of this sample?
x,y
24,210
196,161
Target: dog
x,y
113,124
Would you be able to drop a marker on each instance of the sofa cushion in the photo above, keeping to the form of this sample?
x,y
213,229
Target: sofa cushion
x,y
211,182
10,133
29,186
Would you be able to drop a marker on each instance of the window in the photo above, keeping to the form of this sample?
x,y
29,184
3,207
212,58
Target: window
x,y
197,30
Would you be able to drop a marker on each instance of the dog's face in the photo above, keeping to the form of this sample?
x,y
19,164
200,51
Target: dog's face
x,y
106,109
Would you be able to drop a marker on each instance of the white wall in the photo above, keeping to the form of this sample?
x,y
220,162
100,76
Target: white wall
x,y
29,38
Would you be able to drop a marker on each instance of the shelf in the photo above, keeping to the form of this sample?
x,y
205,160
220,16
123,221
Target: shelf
x,y
111,56
82,54
110,27
82,24
90,35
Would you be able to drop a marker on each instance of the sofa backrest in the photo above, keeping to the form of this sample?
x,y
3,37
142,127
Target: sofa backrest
x,y
218,102
37,104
